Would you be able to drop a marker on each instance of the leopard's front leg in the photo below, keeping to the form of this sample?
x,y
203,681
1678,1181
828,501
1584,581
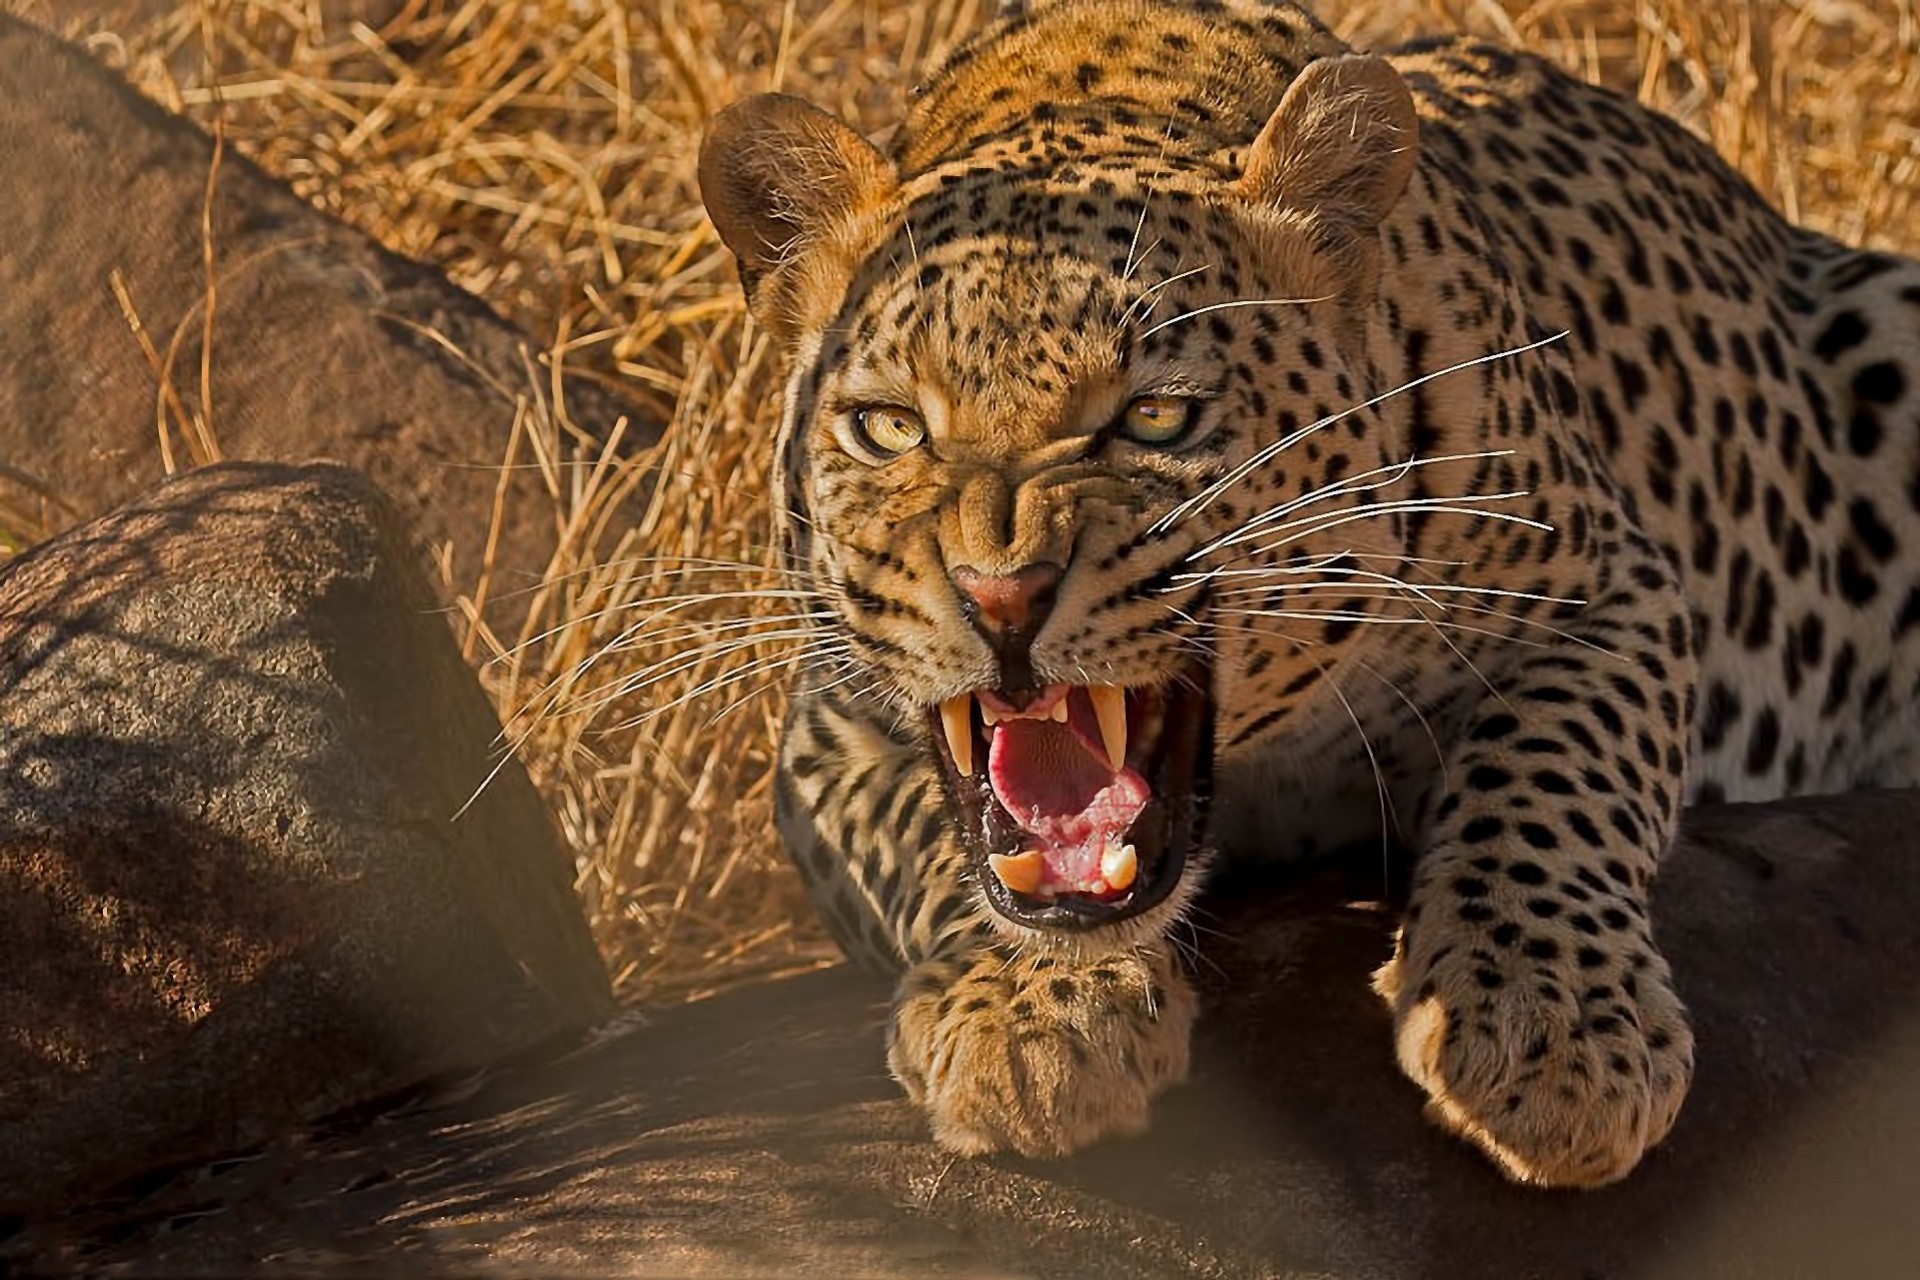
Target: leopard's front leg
x,y
1035,1049
1036,1053
1529,999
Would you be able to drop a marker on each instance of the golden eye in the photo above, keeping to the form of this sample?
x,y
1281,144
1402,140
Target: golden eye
x,y
1157,419
888,431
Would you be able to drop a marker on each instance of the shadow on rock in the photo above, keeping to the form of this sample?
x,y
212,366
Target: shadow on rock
x,y
234,736
757,1134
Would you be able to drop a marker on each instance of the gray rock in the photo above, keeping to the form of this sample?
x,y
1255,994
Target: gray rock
x,y
325,345
234,735
86,16
756,1134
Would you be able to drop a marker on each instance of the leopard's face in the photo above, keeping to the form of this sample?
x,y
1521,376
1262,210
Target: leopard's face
x,y
1028,468
1031,437
1050,394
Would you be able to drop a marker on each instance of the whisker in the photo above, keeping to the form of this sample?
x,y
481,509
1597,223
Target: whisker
x,y
1146,294
1146,202
1308,526
721,642
1440,631
722,681
1197,312
645,639
508,753
1206,497
1379,582
1557,632
1197,642
638,636
1395,473
674,664
1378,591
547,700
655,605
1389,620
632,683
1433,739
803,665
1190,947
1389,818
682,564
1425,591
659,606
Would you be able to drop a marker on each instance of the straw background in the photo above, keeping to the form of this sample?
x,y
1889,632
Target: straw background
x,y
542,153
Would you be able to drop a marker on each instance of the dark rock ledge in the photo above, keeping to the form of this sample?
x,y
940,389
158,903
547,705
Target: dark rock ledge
x,y
755,1134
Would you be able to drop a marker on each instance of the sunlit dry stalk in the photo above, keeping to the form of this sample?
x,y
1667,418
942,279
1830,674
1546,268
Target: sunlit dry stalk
x,y
166,399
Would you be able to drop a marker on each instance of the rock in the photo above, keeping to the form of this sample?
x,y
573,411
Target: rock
x,y
235,734
756,1134
123,15
325,345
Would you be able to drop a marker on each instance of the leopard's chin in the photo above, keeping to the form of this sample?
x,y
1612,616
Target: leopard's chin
x,y
1081,807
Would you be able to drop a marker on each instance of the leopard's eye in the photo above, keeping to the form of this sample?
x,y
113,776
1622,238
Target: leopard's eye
x,y
1158,420
887,431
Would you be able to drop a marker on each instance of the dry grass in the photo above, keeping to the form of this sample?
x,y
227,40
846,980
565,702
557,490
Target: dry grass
x,y
29,511
542,152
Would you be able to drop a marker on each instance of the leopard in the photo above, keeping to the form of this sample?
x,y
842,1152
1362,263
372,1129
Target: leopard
x,y
1214,446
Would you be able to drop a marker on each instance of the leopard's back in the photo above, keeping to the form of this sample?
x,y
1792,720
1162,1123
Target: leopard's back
x,y
1751,387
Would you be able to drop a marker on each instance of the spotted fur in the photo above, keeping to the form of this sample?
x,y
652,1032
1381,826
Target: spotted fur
x,y
1595,488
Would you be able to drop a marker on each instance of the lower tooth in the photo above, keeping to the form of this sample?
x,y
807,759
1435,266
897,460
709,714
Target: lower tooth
x,y
1118,865
1020,872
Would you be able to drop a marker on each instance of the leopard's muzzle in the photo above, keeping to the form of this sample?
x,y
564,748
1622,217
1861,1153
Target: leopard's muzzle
x,y
1081,805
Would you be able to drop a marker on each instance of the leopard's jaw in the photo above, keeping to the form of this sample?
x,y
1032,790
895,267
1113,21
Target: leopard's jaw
x,y
1083,808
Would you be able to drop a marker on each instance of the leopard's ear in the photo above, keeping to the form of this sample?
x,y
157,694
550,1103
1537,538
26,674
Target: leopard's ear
x,y
1339,148
783,180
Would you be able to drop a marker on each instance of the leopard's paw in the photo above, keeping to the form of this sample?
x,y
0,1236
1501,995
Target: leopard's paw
x,y
1037,1054
1564,1073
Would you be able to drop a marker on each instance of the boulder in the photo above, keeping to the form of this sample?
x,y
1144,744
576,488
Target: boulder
x,y
241,881
756,1134
84,16
324,344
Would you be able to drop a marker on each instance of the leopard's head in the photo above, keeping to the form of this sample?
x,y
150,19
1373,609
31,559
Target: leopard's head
x,y
1044,357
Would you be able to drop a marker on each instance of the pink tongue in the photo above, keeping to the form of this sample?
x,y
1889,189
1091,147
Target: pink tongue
x,y
1060,792
1038,766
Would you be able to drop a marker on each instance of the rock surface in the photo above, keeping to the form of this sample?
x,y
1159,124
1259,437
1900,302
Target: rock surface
x,y
324,344
234,735
85,16
756,1134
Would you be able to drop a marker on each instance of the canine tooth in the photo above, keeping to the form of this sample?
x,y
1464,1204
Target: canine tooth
x,y
1020,872
1059,711
1110,706
1119,865
956,717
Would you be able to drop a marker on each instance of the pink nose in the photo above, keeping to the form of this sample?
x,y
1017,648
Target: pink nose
x,y
1014,605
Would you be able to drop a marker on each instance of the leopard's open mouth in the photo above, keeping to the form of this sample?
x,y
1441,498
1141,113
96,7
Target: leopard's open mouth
x,y
1080,805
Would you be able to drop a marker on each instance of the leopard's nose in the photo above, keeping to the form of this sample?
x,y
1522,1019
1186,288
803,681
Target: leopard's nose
x,y
1009,610
1003,605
